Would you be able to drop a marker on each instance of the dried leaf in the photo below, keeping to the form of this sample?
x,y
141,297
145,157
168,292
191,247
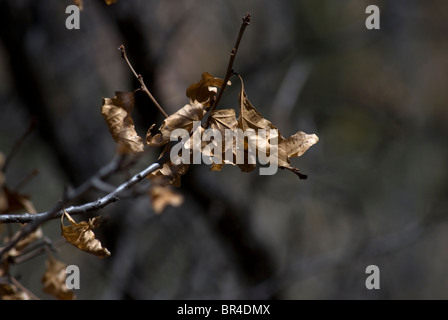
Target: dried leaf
x,y
294,146
204,90
162,196
54,278
81,235
9,291
117,113
182,119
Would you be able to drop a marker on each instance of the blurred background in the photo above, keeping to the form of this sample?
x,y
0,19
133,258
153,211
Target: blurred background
x,y
377,186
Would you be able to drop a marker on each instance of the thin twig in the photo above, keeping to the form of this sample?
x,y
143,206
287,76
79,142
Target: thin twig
x,y
142,83
229,72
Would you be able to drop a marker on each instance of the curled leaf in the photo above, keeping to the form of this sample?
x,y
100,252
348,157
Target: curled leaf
x,y
54,279
117,114
204,90
81,235
294,146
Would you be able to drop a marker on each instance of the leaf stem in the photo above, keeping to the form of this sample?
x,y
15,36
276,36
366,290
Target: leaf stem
x,y
229,72
142,83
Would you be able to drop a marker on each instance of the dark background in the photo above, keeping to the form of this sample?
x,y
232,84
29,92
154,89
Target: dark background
x,y
377,188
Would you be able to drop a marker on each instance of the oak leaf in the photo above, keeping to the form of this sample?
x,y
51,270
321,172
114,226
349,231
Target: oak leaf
x,y
81,235
54,279
204,90
117,114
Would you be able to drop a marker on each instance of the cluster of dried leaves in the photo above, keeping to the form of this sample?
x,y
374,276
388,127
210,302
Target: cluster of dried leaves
x,y
117,114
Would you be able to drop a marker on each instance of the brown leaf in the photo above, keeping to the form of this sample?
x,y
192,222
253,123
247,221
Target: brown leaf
x,y
294,146
182,119
117,113
9,291
204,90
162,196
81,235
54,278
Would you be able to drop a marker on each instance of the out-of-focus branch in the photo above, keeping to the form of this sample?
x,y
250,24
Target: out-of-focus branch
x,y
34,220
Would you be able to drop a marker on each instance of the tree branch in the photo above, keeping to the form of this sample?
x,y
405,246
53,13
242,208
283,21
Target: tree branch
x,y
34,220
142,83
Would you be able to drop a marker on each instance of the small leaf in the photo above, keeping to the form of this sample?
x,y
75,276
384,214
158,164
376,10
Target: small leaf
x,y
117,113
54,278
162,196
81,235
204,90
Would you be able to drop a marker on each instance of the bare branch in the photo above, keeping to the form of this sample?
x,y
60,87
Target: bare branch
x,y
229,72
142,83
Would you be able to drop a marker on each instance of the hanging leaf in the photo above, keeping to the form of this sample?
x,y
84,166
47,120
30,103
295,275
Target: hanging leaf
x,y
81,235
294,146
117,114
54,279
